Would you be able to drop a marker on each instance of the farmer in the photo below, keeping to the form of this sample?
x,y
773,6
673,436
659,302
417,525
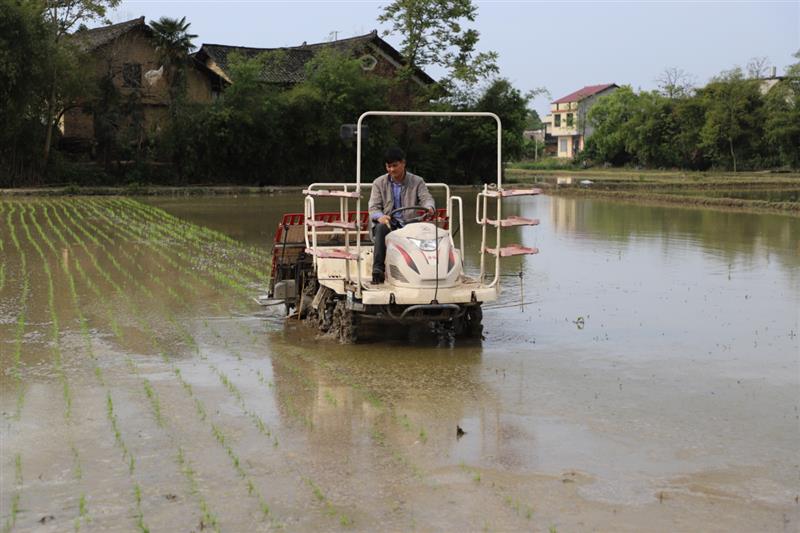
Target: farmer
x,y
397,188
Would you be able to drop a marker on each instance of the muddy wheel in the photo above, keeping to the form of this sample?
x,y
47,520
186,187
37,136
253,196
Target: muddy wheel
x,y
445,333
471,323
344,323
322,316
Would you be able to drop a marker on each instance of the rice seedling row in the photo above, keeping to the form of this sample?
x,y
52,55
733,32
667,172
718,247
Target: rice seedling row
x,y
11,519
237,395
157,249
152,396
231,388
185,466
190,259
22,316
55,331
399,457
58,363
194,234
14,507
165,232
257,254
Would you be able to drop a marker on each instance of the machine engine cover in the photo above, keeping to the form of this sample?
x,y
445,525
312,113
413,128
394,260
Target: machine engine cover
x,y
411,257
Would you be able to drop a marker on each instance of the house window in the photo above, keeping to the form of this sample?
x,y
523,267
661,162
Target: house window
x,y
131,75
368,62
562,145
569,120
557,118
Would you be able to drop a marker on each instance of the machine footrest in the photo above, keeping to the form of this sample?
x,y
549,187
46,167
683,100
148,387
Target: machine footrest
x,y
514,221
337,194
512,249
332,224
512,192
331,254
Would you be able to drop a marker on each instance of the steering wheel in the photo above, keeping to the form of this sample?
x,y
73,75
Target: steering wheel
x,y
418,218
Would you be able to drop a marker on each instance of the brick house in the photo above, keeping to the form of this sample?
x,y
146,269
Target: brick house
x,y
127,54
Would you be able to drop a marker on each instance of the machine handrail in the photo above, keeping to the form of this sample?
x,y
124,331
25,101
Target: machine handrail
x,y
453,199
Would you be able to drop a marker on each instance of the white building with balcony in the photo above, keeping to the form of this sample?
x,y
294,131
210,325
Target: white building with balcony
x,y
567,119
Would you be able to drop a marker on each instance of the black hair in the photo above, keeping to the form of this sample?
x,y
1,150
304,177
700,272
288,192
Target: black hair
x,y
395,153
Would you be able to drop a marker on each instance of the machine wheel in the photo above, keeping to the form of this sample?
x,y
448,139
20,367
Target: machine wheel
x,y
344,324
322,316
470,325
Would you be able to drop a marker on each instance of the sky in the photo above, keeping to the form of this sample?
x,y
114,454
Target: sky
x,y
561,46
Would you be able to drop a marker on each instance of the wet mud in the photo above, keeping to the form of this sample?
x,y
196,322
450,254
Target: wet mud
x,y
649,380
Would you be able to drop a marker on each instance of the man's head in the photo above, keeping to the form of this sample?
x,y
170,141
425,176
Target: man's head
x,y
395,160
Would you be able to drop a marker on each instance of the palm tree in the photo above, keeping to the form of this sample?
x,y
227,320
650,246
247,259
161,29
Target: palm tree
x,y
173,44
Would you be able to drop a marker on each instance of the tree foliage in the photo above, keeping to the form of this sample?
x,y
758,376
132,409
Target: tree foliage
x,y
735,122
173,43
23,56
433,33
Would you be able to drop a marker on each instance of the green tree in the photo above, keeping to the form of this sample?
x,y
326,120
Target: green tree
x,y
464,150
734,119
65,79
783,116
610,117
173,44
433,33
650,131
23,48
689,115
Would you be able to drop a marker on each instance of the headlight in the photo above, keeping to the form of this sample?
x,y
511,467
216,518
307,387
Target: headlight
x,y
426,245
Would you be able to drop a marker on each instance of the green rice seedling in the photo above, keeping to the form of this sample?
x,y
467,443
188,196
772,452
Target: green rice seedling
x,y
83,509
19,330
11,520
330,399
208,518
54,329
154,402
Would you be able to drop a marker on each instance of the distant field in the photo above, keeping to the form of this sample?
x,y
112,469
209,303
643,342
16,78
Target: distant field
x,y
741,190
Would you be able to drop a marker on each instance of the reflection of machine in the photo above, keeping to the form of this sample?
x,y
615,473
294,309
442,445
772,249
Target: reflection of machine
x,y
321,267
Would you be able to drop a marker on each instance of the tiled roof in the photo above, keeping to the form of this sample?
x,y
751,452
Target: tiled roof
x,y
587,91
289,66
95,37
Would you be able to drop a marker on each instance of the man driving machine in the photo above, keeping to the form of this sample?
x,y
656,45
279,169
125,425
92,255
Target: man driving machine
x,y
391,192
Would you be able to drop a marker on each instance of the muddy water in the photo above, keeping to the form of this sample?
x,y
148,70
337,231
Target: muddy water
x,y
649,382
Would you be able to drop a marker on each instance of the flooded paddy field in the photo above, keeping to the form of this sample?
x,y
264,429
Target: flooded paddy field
x,y
649,382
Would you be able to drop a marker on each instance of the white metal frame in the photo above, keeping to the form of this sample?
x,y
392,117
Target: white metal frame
x,y
496,281
309,206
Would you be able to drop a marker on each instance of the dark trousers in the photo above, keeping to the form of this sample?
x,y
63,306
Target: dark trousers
x,y
379,233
